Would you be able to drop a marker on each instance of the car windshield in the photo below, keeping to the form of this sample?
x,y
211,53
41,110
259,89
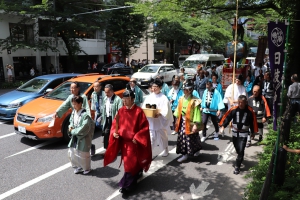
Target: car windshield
x,y
192,63
150,69
118,65
34,85
63,91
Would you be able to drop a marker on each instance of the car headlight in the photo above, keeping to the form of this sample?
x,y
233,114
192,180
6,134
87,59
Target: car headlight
x,y
14,105
45,119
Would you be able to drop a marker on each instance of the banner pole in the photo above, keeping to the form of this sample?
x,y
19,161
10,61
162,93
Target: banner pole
x,y
281,100
235,43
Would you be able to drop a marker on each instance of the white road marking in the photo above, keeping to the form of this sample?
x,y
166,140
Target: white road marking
x,y
7,135
156,164
32,148
200,191
226,155
38,179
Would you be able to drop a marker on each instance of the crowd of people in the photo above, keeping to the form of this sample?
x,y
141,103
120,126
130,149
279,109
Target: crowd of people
x,y
182,109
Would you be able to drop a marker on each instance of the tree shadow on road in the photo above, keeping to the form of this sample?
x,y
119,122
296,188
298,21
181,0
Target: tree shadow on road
x,y
171,182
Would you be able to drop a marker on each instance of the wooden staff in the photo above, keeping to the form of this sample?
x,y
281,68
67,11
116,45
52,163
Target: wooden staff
x,y
234,55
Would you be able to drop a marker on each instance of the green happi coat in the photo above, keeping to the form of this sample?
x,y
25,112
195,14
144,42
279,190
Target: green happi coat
x,y
83,131
138,96
116,105
67,104
94,99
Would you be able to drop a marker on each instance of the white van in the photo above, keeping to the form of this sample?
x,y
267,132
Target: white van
x,y
206,60
181,59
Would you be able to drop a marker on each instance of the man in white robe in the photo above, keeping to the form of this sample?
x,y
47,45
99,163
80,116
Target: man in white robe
x,y
160,125
238,89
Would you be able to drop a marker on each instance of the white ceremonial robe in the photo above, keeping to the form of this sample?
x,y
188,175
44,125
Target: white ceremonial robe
x,y
159,127
238,90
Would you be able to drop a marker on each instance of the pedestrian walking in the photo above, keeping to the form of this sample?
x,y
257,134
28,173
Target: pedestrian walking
x,y
188,124
32,72
216,84
165,88
243,118
97,101
248,84
294,95
233,91
268,90
130,135
9,69
67,104
262,112
138,100
112,103
160,124
200,82
211,106
81,129
173,96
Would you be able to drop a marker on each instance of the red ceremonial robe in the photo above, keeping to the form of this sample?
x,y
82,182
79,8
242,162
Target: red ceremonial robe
x,y
133,124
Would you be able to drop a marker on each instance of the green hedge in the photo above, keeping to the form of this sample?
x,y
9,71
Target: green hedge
x,y
290,189
7,85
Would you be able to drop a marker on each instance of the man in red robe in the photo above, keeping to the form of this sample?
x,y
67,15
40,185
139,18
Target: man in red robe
x,y
130,134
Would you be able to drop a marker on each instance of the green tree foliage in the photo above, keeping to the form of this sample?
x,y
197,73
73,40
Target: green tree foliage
x,y
125,30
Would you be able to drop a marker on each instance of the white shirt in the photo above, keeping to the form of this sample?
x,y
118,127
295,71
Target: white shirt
x,y
238,90
174,93
76,119
162,103
108,106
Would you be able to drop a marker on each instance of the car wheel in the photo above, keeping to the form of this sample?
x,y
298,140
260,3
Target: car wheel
x,y
65,131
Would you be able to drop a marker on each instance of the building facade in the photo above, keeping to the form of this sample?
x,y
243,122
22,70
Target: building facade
x,y
24,59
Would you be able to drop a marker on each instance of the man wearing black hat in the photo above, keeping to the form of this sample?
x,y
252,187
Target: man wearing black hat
x,y
160,124
233,91
130,135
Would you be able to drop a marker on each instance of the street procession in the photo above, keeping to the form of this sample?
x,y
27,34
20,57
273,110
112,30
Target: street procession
x,y
149,100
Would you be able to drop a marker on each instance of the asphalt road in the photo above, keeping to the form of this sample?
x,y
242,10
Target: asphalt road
x,y
41,170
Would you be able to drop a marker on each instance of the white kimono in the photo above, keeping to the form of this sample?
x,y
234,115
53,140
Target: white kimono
x,y
159,127
238,90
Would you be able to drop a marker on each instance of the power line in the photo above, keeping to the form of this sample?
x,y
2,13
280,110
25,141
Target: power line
x,y
97,11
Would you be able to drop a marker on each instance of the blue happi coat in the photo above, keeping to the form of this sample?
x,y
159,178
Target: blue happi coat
x,y
248,86
220,90
216,102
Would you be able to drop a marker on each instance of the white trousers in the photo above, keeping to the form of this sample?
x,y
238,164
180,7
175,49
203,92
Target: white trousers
x,y
159,138
79,158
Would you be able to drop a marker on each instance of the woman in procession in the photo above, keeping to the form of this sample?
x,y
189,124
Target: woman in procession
x,y
188,124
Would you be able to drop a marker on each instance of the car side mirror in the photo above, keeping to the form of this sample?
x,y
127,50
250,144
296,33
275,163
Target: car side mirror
x,y
160,71
48,90
139,70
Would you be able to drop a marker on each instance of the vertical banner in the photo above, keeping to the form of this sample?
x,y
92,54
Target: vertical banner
x,y
276,43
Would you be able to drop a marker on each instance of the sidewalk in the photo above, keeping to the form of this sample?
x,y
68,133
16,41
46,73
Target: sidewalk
x,y
250,160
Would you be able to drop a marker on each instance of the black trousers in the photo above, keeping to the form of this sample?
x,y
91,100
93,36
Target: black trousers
x,y
106,132
239,144
214,120
295,107
270,104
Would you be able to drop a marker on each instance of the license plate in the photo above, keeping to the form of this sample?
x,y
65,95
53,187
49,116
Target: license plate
x,y
22,129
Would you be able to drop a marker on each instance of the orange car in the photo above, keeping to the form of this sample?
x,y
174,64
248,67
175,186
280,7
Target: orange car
x,y
32,119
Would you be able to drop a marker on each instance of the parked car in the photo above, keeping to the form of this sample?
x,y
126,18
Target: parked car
x,y
116,68
151,71
34,88
32,120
